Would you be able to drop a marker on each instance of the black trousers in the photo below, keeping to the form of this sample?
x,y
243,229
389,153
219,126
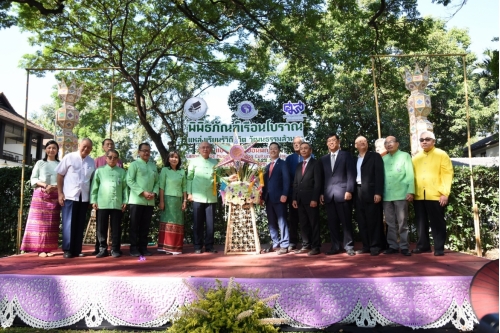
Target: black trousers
x,y
140,220
114,217
203,213
340,213
369,219
309,226
430,213
293,223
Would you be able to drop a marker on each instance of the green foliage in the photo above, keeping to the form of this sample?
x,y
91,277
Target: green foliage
x,y
459,213
222,310
10,192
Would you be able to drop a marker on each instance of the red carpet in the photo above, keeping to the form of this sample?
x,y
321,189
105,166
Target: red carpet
x,y
268,265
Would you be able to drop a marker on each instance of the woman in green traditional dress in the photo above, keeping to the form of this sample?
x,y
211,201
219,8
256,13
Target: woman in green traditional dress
x,y
173,200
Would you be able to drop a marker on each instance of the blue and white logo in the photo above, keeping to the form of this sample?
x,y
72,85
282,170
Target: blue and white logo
x,y
246,110
293,111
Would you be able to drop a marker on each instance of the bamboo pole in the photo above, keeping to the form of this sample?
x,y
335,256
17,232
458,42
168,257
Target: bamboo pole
x,y
376,98
418,55
475,210
21,200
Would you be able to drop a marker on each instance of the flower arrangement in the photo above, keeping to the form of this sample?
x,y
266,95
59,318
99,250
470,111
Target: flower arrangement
x,y
245,188
226,309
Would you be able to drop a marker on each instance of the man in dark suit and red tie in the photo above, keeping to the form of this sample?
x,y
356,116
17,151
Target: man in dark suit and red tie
x,y
274,195
307,187
369,191
339,174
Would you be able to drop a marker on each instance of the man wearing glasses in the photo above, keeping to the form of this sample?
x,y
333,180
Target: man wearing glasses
x,y
399,187
433,176
200,182
143,180
109,196
107,144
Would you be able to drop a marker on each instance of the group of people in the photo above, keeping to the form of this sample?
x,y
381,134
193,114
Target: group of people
x,y
77,181
373,185
376,186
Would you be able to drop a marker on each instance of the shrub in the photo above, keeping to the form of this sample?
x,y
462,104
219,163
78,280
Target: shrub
x,y
225,309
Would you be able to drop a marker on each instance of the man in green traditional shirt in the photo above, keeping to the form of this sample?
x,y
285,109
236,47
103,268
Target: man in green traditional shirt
x,y
109,197
399,188
143,180
200,190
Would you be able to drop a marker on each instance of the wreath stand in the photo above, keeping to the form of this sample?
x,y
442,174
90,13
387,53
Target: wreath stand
x,y
241,234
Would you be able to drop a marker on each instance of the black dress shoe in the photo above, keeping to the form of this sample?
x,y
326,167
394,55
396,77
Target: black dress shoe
x,y
302,250
350,252
146,253
291,248
81,255
313,252
116,254
419,251
391,251
375,251
363,251
282,251
405,252
439,253
102,253
210,250
67,255
332,252
198,251
135,253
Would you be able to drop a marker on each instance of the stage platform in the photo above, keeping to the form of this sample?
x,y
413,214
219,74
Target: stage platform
x,y
421,291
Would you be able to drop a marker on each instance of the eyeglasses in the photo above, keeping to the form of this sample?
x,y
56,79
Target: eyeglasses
x,y
146,151
112,157
389,142
426,139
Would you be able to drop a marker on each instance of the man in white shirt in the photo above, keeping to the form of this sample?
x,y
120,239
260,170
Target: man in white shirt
x,y
73,185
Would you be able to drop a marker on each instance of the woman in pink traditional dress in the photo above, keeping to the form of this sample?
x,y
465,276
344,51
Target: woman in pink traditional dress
x,y
172,204
42,227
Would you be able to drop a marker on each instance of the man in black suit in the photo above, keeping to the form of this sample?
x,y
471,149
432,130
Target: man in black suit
x,y
274,194
340,180
307,186
369,190
292,161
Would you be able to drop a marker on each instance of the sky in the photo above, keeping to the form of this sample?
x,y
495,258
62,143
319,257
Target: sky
x,y
480,17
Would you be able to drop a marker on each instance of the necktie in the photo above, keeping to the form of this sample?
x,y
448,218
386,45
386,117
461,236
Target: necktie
x,y
271,169
304,167
332,156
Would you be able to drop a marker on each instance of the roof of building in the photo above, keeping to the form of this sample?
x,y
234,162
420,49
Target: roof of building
x,y
8,114
483,143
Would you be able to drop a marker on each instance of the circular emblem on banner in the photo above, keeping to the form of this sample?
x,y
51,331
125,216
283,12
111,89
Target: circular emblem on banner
x,y
237,152
195,108
246,110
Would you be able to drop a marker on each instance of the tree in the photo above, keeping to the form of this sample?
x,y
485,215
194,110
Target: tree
x,y
160,57
166,52
337,84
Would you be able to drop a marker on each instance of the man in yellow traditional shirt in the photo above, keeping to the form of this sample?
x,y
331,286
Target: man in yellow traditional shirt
x,y
433,176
